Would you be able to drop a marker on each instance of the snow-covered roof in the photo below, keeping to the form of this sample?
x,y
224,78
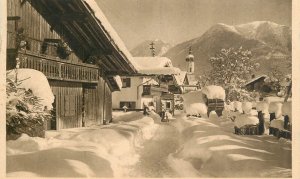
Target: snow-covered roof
x,y
155,66
192,79
115,39
214,92
37,82
180,77
160,71
255,79
149,81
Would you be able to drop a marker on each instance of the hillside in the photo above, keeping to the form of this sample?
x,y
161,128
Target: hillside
x,y
269,42
143,49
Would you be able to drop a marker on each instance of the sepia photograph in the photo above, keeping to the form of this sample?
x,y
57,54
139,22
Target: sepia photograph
x,y
148,88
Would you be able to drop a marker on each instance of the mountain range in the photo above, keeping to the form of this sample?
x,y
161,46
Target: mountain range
x,y
270,44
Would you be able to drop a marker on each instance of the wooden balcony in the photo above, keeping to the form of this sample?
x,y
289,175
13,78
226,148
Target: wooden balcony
x,y
56,69
153,89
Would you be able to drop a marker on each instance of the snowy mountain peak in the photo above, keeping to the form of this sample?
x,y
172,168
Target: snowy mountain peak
x,y
222,26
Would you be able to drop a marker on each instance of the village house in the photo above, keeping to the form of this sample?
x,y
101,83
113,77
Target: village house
x,y
75,47
154,85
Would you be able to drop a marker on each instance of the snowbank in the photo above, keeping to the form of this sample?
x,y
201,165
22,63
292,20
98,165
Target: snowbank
x,y
37,82
247,107
214,92
196,108
99,151
278,123
245,119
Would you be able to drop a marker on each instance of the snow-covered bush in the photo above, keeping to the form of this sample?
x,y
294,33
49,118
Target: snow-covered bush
x,y
25,112
230,69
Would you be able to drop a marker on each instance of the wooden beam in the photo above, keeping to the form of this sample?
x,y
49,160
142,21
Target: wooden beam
x,y
13,18
66,16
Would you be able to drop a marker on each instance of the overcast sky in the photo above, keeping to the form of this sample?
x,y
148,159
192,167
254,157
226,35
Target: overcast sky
x,y
175,21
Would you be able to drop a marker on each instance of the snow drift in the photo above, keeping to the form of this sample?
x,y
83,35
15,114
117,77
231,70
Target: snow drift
x,y
211,150
99,151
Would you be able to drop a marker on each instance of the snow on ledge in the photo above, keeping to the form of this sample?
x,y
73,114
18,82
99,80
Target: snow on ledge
x,y
160,71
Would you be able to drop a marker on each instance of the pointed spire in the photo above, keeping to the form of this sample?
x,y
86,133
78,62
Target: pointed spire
x,y
190,50
152,48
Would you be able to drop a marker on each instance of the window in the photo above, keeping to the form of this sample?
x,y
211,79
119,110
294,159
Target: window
x,y
126,82
168,105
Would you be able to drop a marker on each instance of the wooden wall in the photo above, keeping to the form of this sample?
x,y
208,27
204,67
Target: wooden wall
x,y
36,29
72,98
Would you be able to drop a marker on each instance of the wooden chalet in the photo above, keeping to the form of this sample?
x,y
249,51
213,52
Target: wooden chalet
x,y
72,43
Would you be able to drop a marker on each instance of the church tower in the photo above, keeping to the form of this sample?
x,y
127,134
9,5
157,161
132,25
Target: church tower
x,y
190,67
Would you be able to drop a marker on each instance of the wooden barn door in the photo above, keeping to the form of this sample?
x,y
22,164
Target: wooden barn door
x,y
90,105
68,99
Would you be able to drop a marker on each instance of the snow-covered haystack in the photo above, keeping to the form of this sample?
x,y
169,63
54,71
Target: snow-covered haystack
x,y
214,92
247,107
36,81
238,106
262,106
275,107
196,109
245,119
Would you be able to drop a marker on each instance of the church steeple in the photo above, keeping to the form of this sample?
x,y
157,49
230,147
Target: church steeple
x,y
190,62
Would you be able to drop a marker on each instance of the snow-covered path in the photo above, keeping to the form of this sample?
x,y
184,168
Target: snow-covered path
x,y
142,146
155,152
